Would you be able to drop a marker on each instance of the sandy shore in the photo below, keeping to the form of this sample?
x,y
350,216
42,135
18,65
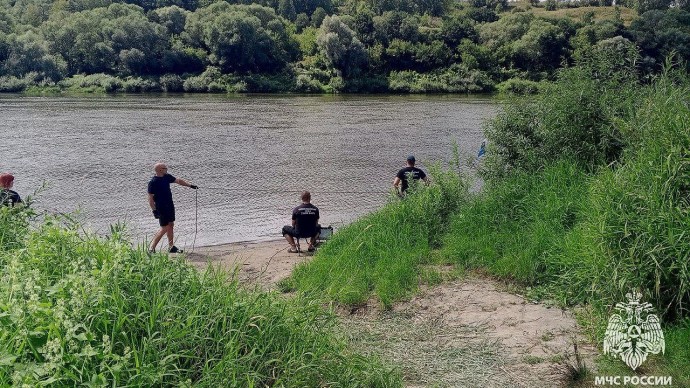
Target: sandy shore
x,y
264,263
469,331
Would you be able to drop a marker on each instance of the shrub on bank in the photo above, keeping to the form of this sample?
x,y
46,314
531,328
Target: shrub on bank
x,y
81,310
11,84
574,118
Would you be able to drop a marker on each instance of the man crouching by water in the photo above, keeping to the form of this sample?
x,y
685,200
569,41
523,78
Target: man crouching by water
x,y
161,202
305,224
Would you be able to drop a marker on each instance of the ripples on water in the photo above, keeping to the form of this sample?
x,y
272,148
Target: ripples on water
x,y
97,154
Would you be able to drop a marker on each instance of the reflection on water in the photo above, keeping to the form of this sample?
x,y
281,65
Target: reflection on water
x,y
250,155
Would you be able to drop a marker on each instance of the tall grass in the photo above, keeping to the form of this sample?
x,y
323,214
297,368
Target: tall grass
x,y
634,232
589,232
380,253
589,229
81,310
514,225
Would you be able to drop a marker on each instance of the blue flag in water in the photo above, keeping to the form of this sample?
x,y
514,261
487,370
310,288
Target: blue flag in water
x,y
482,149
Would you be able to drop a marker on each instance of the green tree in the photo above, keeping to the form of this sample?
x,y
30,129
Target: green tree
x,y
317,17
643,6
91,41
173,18
286,8
301,22
455,29
341,48
241,38
29,53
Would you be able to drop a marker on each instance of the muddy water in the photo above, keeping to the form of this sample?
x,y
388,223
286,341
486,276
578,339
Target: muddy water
x,y
250,155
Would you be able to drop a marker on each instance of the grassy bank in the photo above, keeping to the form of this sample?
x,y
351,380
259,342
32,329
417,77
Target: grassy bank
x,y
586,197
381,252
80,310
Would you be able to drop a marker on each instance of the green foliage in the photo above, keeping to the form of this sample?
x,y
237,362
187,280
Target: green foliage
x,y
531,133
643,6
660,34
29,53
82,310
341,48
588,36
519,87
456,79
589,190
171,83
10,84
93,41
244,38
301,22
173,18
634,231
380,253
513,225
98,83
318,16
266,40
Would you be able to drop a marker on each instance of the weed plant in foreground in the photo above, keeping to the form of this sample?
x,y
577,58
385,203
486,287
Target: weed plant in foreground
x,y
80,310
380,253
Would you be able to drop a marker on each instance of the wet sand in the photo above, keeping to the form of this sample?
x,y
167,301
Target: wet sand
x,y
262,263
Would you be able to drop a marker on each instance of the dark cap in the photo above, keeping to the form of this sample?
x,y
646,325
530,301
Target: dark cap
x,y
410,158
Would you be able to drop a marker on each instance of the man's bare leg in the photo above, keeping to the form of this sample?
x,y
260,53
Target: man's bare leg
x,y
290,240
170,235
157,238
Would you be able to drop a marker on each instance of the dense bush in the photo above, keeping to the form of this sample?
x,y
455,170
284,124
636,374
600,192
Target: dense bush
x,y
574,118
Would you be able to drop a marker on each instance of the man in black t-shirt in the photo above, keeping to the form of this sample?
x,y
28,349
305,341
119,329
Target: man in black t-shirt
x,y
161,202
8,197
305,223
410,172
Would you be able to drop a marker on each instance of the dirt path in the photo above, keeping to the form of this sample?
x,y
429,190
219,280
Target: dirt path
x,y
469,332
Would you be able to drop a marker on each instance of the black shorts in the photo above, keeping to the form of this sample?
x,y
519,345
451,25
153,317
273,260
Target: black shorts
x,y
166,216
291,231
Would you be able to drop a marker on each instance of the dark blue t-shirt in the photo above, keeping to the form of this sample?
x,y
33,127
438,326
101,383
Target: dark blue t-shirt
x,y
9,197
415,172
159,186
306,218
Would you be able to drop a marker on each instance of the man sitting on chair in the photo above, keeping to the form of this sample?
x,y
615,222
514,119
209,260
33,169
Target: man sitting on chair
x,y
305,224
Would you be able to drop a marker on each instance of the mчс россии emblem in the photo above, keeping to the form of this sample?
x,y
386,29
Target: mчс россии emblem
x,y
631,336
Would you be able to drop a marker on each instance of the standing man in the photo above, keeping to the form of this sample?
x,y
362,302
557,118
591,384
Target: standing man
x,y
409,172
161,202
305,223
8,197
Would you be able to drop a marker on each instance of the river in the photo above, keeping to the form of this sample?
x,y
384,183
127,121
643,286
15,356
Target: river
x,y
250,155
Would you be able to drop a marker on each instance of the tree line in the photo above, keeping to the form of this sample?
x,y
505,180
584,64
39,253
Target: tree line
x,y
316,45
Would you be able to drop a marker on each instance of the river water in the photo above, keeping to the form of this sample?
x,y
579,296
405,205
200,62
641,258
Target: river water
x,y
250,155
